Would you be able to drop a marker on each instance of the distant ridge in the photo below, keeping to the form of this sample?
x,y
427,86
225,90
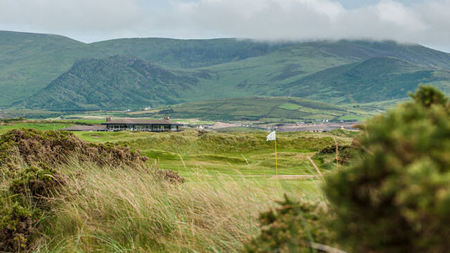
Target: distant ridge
x,y
39,71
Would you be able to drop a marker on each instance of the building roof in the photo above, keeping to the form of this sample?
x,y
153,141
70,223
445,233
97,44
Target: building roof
x,y
140,122
85,128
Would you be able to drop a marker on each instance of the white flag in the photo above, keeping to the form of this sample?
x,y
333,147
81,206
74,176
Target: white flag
x,y
272,136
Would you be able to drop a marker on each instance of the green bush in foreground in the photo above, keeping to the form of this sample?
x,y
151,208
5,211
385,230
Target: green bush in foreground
x,y
396,196
24,204
293,227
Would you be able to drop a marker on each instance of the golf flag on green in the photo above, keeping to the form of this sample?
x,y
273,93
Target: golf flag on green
x,y
273,137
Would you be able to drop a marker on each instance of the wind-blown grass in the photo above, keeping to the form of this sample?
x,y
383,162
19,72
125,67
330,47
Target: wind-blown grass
x,y
128,209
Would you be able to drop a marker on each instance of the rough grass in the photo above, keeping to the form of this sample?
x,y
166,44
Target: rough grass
x,y
120,209
113,210
30,178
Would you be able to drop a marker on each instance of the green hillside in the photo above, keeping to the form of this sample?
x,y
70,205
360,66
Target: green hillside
x,y
118,83
277,109
29,62
362,50
175,53
112,83
41,71
376,79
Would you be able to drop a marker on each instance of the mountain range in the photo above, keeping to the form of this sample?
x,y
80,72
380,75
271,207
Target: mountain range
x,y
51,72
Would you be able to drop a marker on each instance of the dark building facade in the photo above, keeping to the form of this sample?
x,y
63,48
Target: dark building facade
x,y
141,125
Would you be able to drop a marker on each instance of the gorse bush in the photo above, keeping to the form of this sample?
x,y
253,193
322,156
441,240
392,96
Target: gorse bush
x,y
293,227
395,197
55,147
24,204
329,158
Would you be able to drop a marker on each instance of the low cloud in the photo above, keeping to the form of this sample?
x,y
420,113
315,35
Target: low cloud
x,y
426,22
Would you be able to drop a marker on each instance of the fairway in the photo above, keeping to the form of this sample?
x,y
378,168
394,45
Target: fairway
x,y
237,153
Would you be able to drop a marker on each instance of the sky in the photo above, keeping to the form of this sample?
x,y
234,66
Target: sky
x,y
426,22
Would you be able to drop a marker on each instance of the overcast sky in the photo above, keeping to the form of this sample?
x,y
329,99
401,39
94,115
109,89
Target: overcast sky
x,y
416,21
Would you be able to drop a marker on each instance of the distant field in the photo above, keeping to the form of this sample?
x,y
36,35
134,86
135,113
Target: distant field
x,y
262,109
266,109
289,106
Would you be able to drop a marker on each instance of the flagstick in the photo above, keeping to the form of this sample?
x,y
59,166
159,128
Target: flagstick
x,y
276,159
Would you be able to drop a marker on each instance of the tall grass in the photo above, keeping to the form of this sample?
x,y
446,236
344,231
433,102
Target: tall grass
x,y
130,210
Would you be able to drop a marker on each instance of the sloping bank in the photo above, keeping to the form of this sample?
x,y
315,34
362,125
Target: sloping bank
x,y
35,167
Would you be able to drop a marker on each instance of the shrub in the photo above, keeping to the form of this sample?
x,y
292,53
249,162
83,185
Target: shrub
x,y
293,227
168,176
344,155
16,226
37,182
395,197
56,147
25,203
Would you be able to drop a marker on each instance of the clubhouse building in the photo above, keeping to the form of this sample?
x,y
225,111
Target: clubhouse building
x,y
164,125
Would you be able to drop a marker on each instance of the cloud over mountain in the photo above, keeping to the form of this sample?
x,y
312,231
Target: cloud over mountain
x,y
424,22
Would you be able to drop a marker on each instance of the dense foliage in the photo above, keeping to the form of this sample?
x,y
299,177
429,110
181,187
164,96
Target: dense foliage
x,y
24,204
334,156
391,195
31,146
396,197
293,227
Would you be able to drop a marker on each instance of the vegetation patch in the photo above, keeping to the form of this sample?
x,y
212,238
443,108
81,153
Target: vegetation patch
x,y
332,156
24,204
222,158
31,178
55,147
293,227
289,106
395,197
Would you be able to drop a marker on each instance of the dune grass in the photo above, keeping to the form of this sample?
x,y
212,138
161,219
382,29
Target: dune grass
x,y
229,182
129,210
